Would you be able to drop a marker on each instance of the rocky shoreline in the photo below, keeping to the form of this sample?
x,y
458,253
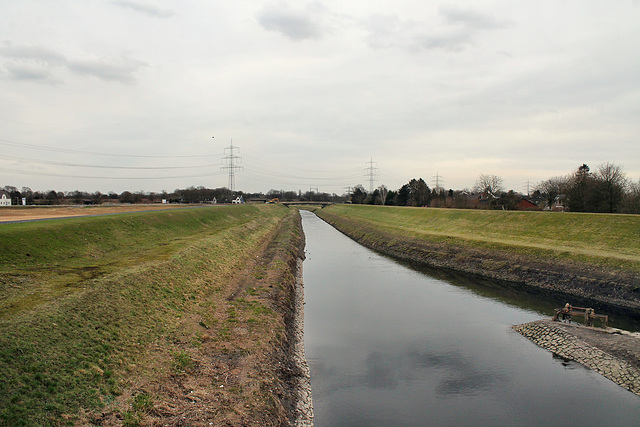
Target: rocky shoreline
x,y
302,410
613,353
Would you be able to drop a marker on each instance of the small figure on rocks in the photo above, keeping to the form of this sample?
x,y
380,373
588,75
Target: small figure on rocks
x,y
566,313
589,316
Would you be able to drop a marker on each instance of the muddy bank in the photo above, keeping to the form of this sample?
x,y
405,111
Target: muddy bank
x,y
584,281
612,353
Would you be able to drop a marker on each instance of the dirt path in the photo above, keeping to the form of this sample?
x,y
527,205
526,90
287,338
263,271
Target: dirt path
x,y
32,213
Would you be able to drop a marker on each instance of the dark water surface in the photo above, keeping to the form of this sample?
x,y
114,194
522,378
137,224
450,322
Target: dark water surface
x,y
391,346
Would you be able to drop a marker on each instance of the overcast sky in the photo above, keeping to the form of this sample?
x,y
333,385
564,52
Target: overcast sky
x,y
127,94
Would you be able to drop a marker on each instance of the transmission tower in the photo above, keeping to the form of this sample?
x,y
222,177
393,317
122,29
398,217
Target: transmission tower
x,y
438,178
528,186
311,192
371,173
230,165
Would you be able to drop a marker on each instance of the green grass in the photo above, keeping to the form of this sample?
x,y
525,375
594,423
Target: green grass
x,y
606,239
40,261
82,299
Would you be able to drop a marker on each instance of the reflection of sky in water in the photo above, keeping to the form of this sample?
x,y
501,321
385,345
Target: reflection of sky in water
x,y
391,346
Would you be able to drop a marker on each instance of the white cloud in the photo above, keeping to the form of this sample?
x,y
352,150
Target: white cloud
x,y
146,7
459,31
38,63
470,18
30,62
29,71
29,52
121,69
304,24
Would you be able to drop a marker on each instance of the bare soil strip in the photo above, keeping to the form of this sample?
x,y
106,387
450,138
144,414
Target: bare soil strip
x,y
31,213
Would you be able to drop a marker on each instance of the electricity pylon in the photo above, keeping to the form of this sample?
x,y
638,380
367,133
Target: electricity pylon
x,y
371,173
230,165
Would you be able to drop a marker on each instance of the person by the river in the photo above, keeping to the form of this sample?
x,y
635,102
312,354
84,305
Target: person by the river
x,y
566,312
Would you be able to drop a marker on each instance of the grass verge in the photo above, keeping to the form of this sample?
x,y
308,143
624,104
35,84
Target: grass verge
x,y
608,240
161,314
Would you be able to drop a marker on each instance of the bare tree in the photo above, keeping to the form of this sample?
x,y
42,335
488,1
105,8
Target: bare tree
x,y
611,186
382,195
552,188
631,202
491,185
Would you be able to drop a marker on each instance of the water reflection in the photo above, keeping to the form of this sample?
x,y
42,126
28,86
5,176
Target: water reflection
x,y
461,376
388,345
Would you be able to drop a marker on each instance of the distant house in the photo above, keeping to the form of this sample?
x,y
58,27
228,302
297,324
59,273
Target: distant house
x,y
526,205
559,203
5,198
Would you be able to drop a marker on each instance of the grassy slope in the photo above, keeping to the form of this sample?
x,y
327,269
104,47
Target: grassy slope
x,y
83,300
608,240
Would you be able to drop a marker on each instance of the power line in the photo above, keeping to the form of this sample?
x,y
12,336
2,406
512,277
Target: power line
x,y
230,165
44,162
95,153
99,177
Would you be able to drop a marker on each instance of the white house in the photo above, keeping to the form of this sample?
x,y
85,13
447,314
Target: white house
x,y
5,198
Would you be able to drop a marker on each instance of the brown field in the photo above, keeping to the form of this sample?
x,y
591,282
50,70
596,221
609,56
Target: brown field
x,y
26,213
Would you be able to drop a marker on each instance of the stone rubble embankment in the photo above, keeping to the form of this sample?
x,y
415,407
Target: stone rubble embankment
x,y
303,410
553,337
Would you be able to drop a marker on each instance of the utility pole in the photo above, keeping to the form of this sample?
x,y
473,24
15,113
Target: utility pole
x,y
230,165
371,173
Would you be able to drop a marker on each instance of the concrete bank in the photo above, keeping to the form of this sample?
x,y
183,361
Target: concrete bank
x,y
612,353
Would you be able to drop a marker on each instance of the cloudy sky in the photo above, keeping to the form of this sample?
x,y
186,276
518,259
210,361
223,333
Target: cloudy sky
x,y
127,94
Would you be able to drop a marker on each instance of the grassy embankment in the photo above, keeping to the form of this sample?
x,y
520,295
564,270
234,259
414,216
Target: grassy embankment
x,y
167,316
502,244
611,240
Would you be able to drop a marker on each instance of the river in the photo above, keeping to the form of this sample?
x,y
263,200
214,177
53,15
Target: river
x,y
391,346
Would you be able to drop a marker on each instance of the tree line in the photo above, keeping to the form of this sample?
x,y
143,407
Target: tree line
x,y
607,190
187,195
604,190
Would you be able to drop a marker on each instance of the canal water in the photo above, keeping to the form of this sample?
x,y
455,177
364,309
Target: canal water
x,y
391,346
